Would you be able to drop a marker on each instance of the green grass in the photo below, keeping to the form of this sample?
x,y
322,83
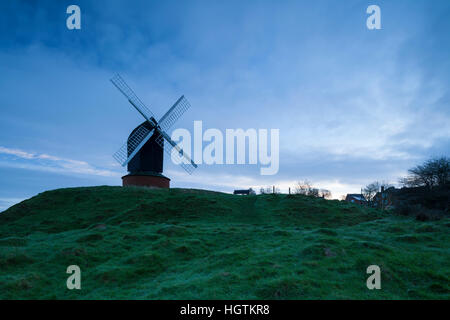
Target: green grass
x,y
138,243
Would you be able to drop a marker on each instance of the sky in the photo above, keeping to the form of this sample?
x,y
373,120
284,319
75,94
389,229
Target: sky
x,y
353,105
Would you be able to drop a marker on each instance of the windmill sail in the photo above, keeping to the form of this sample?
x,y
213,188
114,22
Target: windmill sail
x,y
172,147
134,143
139,137
171,116
174,113
133,98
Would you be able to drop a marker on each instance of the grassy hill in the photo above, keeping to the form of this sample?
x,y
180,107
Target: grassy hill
x,y
187,244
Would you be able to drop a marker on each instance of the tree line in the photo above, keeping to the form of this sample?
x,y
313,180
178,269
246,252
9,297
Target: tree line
x,y
434,172
304,187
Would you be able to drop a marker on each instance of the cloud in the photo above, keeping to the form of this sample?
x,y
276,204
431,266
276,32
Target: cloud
x,y
352,105
17,158
17,152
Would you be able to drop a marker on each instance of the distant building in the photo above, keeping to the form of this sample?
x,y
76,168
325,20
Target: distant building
x,y
385,199
244,192
355,198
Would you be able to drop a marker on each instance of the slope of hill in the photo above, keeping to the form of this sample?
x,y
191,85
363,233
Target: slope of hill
x,y
136,243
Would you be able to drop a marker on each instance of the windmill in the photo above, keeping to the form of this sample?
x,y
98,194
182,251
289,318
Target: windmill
x,y
142,153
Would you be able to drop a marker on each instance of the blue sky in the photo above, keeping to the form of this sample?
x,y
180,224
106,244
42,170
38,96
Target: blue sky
x,y
353,105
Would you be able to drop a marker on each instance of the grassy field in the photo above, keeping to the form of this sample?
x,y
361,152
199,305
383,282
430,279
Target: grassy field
x,y
137,243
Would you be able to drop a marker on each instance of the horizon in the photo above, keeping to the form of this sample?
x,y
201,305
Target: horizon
x,y
352,105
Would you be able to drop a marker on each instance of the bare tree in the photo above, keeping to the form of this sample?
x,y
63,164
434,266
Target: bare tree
x,y
326,194
314,192
433,172
441,170
303,187
370,191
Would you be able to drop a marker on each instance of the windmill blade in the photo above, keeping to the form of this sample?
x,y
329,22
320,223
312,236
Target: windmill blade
x,y
133,98
133,144
182,156
174,113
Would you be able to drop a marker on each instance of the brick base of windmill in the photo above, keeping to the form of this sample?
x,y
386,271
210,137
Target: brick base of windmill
x,y
146,179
